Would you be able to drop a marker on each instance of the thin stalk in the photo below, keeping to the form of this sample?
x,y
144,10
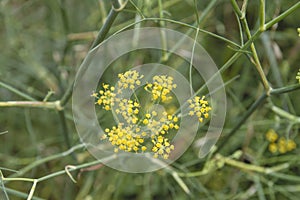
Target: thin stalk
x,y
3,186
244,9
196,12
262,15
256,59
65,130
191,63
285,114
182,24
282,16
76,167
16,91
46,159
285,89
206,11
33,104
105,28
252,46
236,8
219,161
19,194
32,190
165,55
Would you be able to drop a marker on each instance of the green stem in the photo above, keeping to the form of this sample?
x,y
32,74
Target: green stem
x,y
182,24
196,12
33,104
76,167
282,16
252,46
219,161
165,55
105,28
251,167
65,130
285,89
262,17
236,8
18,193
16,91
285,114
191,62
46,159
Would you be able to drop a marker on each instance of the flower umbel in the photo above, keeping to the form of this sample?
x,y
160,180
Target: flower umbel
x,y
298,76
130,79
281,145
199,107
144,129
106,98
161,87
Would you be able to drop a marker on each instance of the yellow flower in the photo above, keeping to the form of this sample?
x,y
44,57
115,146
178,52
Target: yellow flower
x,y
298,76
273,147
290,145
130,79
161,88
199,107
271,135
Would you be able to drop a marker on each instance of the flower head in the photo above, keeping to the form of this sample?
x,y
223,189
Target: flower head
x,y
130,79
298,76
141,129
106,98
199,107
281,145
161,87
271,135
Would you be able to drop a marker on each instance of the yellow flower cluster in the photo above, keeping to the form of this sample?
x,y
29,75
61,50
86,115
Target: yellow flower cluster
x,y
161,88
161,147
298,76
144,128
298,29
130,79
129,110
159,129
280,145
125,138
199,107
107,97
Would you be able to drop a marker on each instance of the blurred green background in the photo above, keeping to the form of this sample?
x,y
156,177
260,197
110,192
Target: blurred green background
x,y
42,46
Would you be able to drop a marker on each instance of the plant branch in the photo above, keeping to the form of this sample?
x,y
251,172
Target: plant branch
x,y
285,114
76,167
283,15
252,46
16,91
32,104
262,16
46,159
219,161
